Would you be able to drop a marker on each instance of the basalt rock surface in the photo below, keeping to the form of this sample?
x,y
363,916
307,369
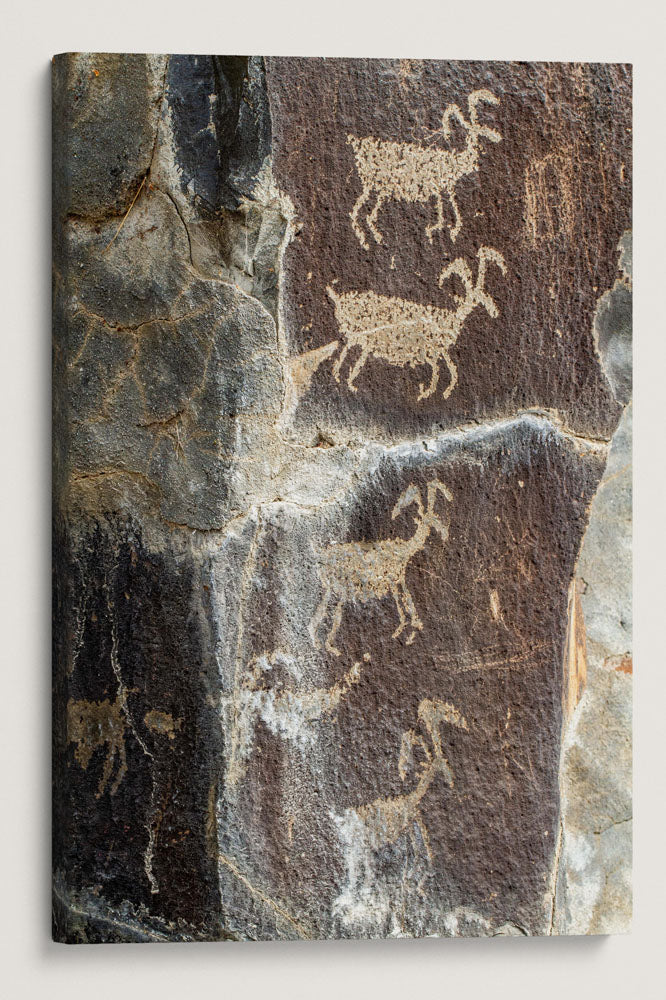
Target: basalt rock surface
x,y
341,609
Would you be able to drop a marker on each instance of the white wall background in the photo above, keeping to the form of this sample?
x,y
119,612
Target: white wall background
x,y
30,965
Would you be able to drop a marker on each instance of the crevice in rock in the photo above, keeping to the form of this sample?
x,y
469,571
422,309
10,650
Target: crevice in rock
x,y
555,878
612,825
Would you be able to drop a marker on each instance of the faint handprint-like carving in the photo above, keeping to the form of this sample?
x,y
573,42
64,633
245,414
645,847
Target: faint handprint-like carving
x,y
95,724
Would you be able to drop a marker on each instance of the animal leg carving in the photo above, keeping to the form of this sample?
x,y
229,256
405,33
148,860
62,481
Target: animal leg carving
x,y
106,773
122,770
453,371
434,379
424,833
353,215
455,229
440,218
357,368
337,618
373,216
395,591
414,619
412,839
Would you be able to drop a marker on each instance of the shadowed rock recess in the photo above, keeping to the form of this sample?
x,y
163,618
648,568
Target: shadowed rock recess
x,y
342,451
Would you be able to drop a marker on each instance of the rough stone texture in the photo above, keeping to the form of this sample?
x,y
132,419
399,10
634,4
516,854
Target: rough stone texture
x,y
549,196
339,350
594,893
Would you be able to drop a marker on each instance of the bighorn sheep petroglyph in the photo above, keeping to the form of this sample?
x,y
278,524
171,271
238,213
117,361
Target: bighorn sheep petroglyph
x,y
406,171
403,332
368,571
365,830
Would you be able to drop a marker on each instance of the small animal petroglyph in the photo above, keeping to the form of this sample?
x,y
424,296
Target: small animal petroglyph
x,y
367,829
95,724
408,333
287,712
405,171
368,571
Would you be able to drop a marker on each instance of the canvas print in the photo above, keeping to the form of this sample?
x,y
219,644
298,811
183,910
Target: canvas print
x,y
342,498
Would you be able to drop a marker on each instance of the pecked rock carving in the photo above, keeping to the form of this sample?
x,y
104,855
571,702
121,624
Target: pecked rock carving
x,y
313,647
368,571
404,171
287,712
95,725
407,333
366,829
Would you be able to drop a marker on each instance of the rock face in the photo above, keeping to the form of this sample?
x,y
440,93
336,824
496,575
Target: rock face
x,y
341,526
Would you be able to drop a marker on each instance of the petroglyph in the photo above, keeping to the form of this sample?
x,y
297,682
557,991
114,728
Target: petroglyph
x,y
405,171
303,366
549,198
368,571
367,829
466,921
408,333
512,657
162,723
121,702
288,713
96,724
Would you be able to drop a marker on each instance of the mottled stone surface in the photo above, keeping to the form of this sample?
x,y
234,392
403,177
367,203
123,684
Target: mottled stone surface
x,y
594,893
340,347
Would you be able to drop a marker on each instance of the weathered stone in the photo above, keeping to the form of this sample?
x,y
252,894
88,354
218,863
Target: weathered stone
x,y
340,347
107,107
594,887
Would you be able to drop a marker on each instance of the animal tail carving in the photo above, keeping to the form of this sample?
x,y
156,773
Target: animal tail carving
x,y
344,347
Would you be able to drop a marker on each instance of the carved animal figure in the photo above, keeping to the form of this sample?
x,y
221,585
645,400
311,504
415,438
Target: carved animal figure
x,y
367,829
368,571
95,724
405,171
403,332
287,712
